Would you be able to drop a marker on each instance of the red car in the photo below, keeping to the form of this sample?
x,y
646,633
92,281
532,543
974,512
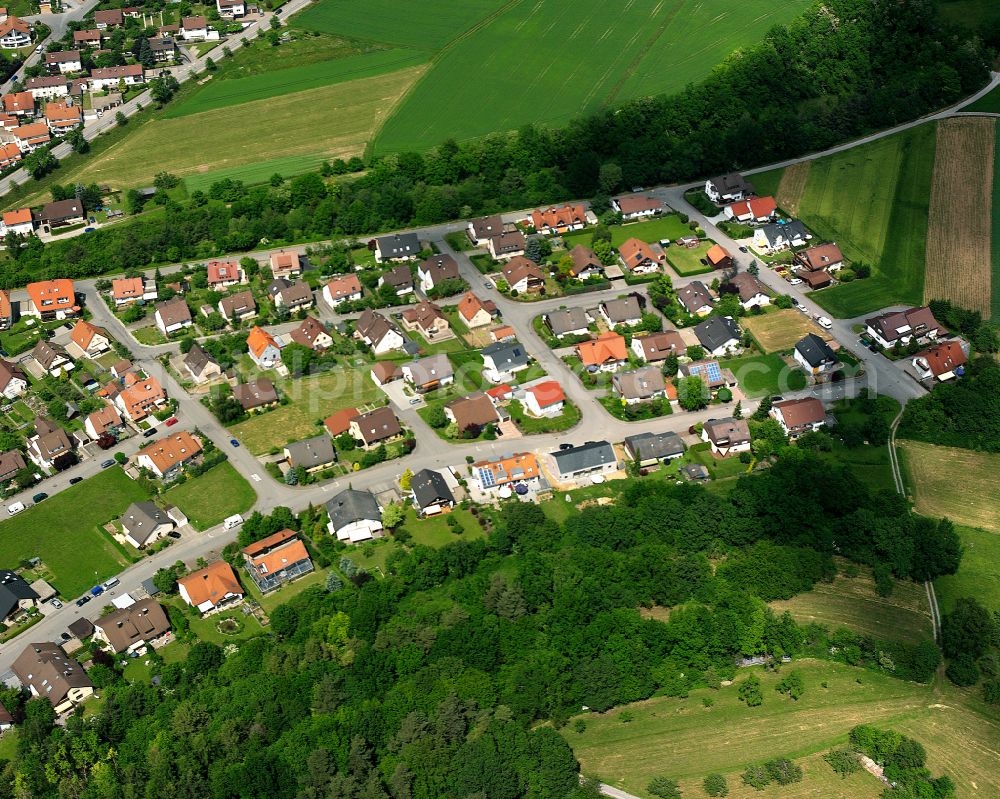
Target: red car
x,y
171,420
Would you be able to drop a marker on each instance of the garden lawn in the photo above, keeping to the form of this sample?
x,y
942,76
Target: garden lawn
x,y
289,590
570,417
764,375
209,498
780,330
668,226
435,532
62,531
206,629
687,260
149,335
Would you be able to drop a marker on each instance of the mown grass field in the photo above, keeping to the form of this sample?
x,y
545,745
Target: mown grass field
x,y
294,125
668,226
258,171
979,573
62,531
762,375
208,499
989,103
780,330
687,260
547,63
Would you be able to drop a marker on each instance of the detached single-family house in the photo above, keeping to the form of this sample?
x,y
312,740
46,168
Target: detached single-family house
x,y
432,271
476,312
167,456
92,341
728,188
501,361
311,454
264,348
657,347
757,210
50,447
126,290
780,236
523,276
61,213
63,62
606,353
943,361
51,299
751,291
696,298
718,335
52,358
624,311
562,219
903,326
14,33
132,628
13,381
567,322
506,245
711,374
586,264
225,273
727,436
429,373
87,38
312,334
639,385
276,560
473,412
108,18
194,28
19,221
637,206
815,355
592,458
231,8
798,416
293,296
649,448
62,118
140,397
400,278
164,49
426,319
484,228
544,399
341,288
430,493
172,315
103,420
211,588
145,523
496,475
285,264
48,672
354,516
11,462
375,427
641,258
256,394
200,365
378,332
825,257
398,247
15,594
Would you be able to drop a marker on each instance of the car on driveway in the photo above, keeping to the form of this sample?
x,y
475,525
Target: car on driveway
x,y
795,281
171,421
744,249
55,603
173,534
234,442
487,284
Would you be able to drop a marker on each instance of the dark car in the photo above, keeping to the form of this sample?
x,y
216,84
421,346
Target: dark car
x,y
83,600
40,496
173,534
794,301
565,446
234,442
89,230
744,249
150,432
65,636
74,480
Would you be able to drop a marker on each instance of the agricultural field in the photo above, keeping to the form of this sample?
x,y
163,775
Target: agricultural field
x,y
763,375
852,602
208,499
989,103
780,330
960,216
995,232
76,553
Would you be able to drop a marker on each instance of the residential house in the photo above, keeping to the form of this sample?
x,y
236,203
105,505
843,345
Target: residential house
x,y
585,460
19,221
751,291
485,228
6,719
50,447
200,365
140,397
647,448
145,523
696,298
494,476
815,355
31,136
311,454
586,264
354,516
606,353
293,296
263,348
10,154
256,394
728,188
426,318
385,372
504,333
64,62
225,273
506,245
557,220
211,588
639,385
238,307
637,206
780,236
398,247
104,420
19,104
62,118
816,280
798,416
657,347
87,38
52,358
48,672
718,258
718,335
11,462
903,326
622,311
126,290
14,33
756,210
108,18
13,382
92,341
112,77
378,332
167,456
430,493
339,422
375,427
711,374
500,394
472,413
476,312
276,560
15,594
231,8
641,258
523,276
120,368
172,315
61,213
727,436
429,373
826,257
501,361
285,264
133,628
432,271
194,28
544,399
341,288
943,361
567,322
164,48
7,310
312,334
400,278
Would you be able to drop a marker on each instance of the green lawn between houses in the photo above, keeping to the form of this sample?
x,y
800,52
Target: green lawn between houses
x,y
764,375
63,531
668,226
208,499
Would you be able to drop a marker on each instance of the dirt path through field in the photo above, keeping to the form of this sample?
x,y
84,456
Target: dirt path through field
x,y
960,217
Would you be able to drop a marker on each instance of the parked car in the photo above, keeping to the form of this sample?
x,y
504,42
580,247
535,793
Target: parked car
x,y
824,322
107,464
171,421
55,603
744,249
39,497
415,401
795,281
173,534
794,301
83,600
65,636
234,442
150,432
74,480
97,590
89,229
487,284
16,508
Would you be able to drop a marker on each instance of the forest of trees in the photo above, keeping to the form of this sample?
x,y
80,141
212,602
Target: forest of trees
x,y
833,73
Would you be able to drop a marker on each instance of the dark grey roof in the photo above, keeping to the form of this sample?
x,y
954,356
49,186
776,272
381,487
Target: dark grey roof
x,y
197,359
789,230
141,518
399,245
311,452
694,296
645,446
506,355
591,455
429,488
82,627
296,292
623,309
399,277
734,181
351,506
13,589
815,351
715,331
567,319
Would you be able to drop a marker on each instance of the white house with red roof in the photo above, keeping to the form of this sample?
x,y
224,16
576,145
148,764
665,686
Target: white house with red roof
x,y
225,273
544,399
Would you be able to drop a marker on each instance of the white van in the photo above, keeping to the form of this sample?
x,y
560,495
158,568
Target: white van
x,y
17,507
111,583
233,521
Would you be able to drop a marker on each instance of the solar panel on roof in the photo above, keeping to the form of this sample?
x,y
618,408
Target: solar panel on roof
x,y
486,477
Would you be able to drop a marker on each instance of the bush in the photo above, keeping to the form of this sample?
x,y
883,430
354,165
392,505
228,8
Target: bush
x,y
715,785
783,771
749,692
664,788
963,671
791,684
843,761
756,777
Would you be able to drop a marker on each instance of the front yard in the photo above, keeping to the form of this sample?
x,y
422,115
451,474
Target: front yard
x,y
208,499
